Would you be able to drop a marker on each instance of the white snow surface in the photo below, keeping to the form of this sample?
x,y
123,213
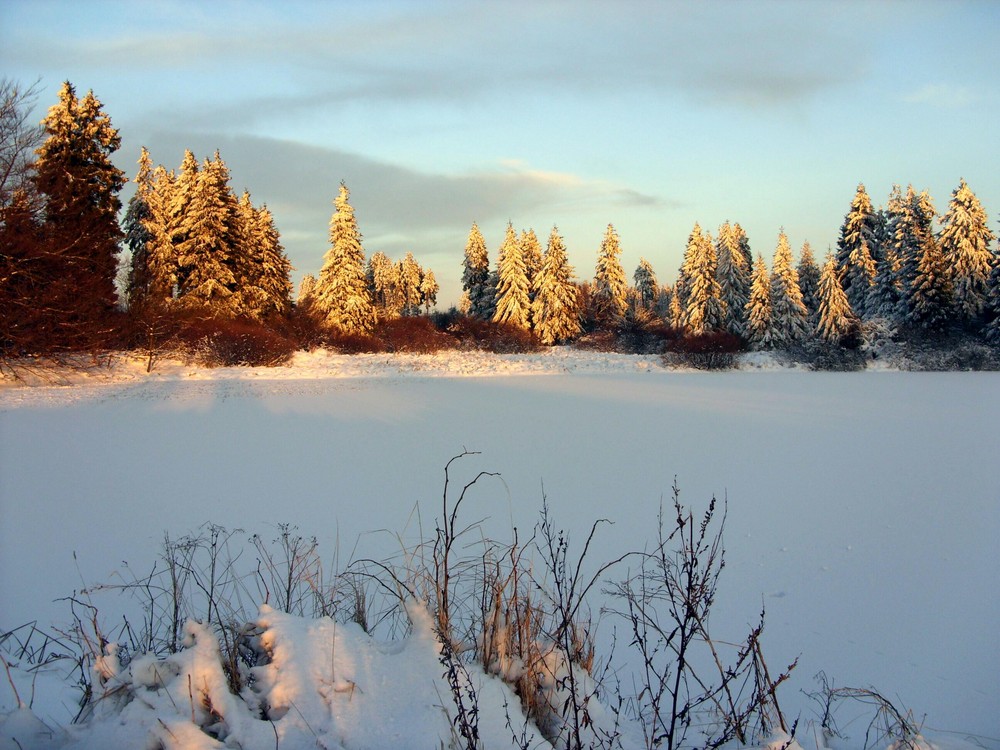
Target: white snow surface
x,y
863,512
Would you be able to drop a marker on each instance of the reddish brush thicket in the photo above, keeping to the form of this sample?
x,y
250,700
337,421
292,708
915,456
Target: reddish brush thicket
x,y
501,338
413,334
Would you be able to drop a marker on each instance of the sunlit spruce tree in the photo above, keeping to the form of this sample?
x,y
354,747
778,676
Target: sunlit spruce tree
x,y
857,250
531,251
932,296
734,272
555,310
965,244
886,293
704,310
429,289
78,186
342,300
835,315
513,304
610,297
385,287
913,231
410,276
760,334
789,317
476,276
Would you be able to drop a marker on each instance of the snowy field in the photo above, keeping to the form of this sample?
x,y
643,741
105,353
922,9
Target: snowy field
x,y
864,508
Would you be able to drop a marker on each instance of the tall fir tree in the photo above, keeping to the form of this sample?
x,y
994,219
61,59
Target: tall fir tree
x,y
610,297
429,289
78,185
183,188
835,315
138,234
913,231
646,286
759,331
809,282
513,304
531,250
342,299
789,317
476,276
555,310
885,295
268,285
992,329
857,250
211,233
965,244
410,276
705,310
733,272
384,284
932,297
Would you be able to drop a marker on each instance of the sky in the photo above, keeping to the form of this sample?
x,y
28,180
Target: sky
x,y
648,115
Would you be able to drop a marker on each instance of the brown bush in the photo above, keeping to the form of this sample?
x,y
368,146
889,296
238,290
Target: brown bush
x,y
226,342
500,338
715,350
413,334
351,343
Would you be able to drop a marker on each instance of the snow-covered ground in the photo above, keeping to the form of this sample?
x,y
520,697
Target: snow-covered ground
x,y
864,508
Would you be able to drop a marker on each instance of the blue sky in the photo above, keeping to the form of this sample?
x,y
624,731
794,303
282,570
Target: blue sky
x,y
647,115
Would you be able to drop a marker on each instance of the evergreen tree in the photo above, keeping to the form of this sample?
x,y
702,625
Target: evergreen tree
x,y
513,304
857,250
555,310
835,315
610,284
342,298
809,282
734,272
307,294
385,286
139,236
932,295
183,188
270,270
913,231
759,331
410,276
675,315
78,185
207,254
531,250
429,289
664,299
789,317
992,330
705,310
885,295
965,244
646,287
476,276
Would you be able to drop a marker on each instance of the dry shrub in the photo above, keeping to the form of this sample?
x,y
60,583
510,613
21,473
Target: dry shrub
x,y
715,350
500,338
413,334
225,342
352,343
597,341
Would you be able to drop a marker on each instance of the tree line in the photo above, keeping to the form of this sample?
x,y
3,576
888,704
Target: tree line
x,y
198,252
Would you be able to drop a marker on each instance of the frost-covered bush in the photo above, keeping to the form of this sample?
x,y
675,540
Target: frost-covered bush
x,y
229,343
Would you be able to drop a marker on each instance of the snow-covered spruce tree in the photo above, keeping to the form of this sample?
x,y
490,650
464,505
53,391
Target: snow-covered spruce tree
x,y
207,254
307,293
675,316
410,276
744,244
342,299
664,299
733,273
835,315
138,234
965,243
555,310
267,288
705,310
885,295
759,332
809,282
513,304
78,186
992,330
531,250
914,225
476,276
932,297
646,287
384,284
857,250
429,289
610,284
183,187
789,317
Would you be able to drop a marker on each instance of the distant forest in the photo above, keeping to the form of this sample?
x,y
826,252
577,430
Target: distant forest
x,y
192,269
